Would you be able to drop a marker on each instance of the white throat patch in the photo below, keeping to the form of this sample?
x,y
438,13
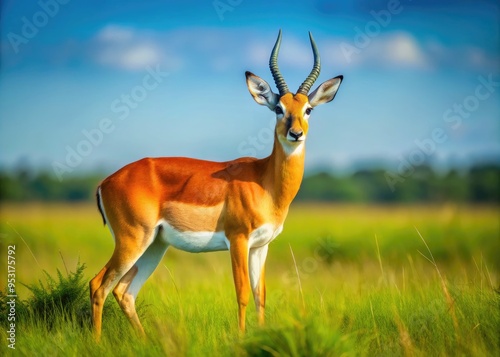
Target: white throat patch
x,y
291,147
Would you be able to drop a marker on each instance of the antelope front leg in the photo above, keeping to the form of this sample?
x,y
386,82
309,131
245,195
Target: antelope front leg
x,y
239,261
257,261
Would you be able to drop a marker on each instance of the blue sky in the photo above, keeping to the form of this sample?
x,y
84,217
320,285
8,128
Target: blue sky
x,y
97,84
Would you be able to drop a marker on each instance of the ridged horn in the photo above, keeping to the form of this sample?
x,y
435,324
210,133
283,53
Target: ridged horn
x,y
305,87
273,65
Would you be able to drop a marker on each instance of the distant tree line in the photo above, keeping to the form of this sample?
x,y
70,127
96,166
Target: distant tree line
x,y
480,184
23,186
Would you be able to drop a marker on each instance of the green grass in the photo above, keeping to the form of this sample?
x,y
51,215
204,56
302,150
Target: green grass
x,y
369,286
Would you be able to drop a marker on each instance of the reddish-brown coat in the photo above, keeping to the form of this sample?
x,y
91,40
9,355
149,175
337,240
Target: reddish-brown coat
x,y
235,196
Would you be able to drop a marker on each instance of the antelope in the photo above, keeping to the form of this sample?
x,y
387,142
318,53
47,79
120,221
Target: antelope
x,y
204,206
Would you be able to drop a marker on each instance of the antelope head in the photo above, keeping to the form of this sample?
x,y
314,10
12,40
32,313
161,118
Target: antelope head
x,y
292,110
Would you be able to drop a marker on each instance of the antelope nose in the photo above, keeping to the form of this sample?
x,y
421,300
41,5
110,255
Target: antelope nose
x,y
295,135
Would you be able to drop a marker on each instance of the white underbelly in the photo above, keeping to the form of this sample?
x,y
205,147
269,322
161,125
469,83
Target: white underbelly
x,y
198,242
194,242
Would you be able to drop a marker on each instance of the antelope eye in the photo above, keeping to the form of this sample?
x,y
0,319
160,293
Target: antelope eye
x,y
308,111
278,110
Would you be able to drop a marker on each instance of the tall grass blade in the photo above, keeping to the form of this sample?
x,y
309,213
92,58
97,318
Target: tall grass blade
x,y
26,244
298,279
449,300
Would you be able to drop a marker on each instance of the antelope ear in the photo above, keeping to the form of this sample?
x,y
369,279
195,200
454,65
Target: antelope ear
x,y
261,91
325,92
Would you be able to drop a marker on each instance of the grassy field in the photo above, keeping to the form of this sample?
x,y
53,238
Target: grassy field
x,y
363,283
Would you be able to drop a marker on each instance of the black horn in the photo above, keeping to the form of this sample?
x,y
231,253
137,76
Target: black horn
x,y
273,65
307,84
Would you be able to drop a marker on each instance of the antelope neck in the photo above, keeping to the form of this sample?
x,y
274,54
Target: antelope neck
x,y
284,173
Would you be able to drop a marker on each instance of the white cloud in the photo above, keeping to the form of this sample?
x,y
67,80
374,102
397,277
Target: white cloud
x,y
402,49
220,50
468,57
115,33
395,49
140,56
257,53
133,49
294,52
126,48
129,57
